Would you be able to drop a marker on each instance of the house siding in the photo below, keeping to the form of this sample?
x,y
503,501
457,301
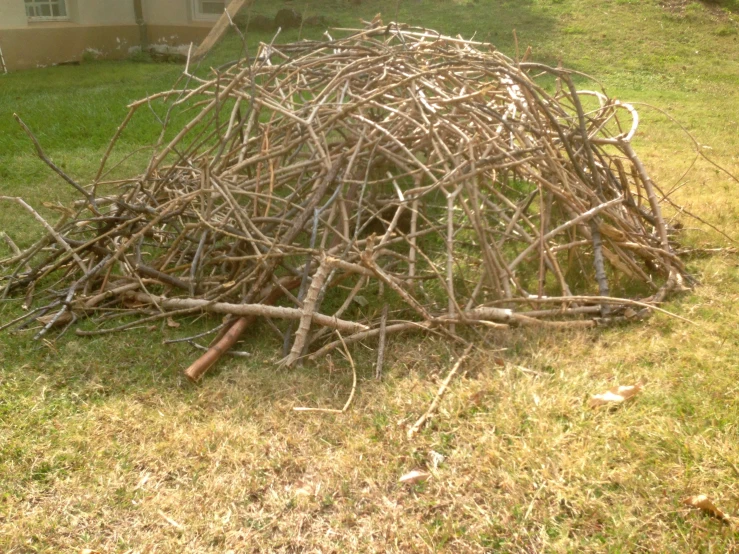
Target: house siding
x,y
12,15
107,27
102,12
167,12
55,43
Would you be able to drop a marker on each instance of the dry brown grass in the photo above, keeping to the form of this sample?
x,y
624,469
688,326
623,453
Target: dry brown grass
x,y
528,467
104,447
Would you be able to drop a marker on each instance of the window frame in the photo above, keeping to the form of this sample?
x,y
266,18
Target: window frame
x,y
198,15
41,18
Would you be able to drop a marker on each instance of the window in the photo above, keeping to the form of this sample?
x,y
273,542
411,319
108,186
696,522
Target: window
x,y
46,9
208,9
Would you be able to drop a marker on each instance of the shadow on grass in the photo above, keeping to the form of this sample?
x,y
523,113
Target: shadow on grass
x,y
136,364
486,20
74,111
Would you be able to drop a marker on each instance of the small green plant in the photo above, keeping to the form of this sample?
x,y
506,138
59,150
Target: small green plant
x,y
140,56
727,30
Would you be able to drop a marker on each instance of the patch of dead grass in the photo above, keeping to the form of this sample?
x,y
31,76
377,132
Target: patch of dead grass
x,y
103,447
528,467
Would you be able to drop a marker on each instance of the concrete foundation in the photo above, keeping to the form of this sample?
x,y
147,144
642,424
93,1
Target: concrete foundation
x,y
175,35
50,43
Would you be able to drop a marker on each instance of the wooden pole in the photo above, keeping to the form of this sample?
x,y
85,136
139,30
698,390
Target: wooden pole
x,y
220,28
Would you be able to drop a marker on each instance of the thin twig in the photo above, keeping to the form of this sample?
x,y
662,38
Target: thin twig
x,y
381,345
442,389
348,403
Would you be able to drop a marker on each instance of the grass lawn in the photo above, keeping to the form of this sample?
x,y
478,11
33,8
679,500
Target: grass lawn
x,y
105,447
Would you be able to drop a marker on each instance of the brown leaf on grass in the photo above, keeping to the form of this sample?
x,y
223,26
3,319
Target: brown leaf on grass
x,y
172,323
615,396
703,503
477,398
304,488
131,303
65,318
415,476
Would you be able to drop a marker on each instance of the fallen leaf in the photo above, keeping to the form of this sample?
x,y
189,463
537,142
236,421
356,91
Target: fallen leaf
x,y
305,488
131,303
703,503
361,300
414,477
65,318
172,323
612,232
477,398
615,396
630,313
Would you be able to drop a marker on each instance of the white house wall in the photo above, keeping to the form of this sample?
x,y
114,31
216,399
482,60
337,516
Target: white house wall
x,y
104,12
167,12
106,28
12,14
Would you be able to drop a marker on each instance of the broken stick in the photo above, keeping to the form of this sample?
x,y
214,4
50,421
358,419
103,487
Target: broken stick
x,y
442,389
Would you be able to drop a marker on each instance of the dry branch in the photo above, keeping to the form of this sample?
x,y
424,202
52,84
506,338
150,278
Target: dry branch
x,y
220,28
442,389
392,161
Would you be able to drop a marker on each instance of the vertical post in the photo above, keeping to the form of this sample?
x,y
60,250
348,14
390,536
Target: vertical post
x,y
2,61
138,11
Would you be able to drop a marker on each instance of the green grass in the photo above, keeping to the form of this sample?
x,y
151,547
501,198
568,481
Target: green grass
x,y
104,446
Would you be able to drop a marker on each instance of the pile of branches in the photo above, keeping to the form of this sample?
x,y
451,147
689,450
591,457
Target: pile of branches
x,y
319,182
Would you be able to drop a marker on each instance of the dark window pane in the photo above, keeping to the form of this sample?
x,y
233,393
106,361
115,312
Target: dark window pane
x,y
212,7
46,8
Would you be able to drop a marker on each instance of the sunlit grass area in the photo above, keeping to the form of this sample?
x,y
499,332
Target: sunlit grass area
x,y
105,446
